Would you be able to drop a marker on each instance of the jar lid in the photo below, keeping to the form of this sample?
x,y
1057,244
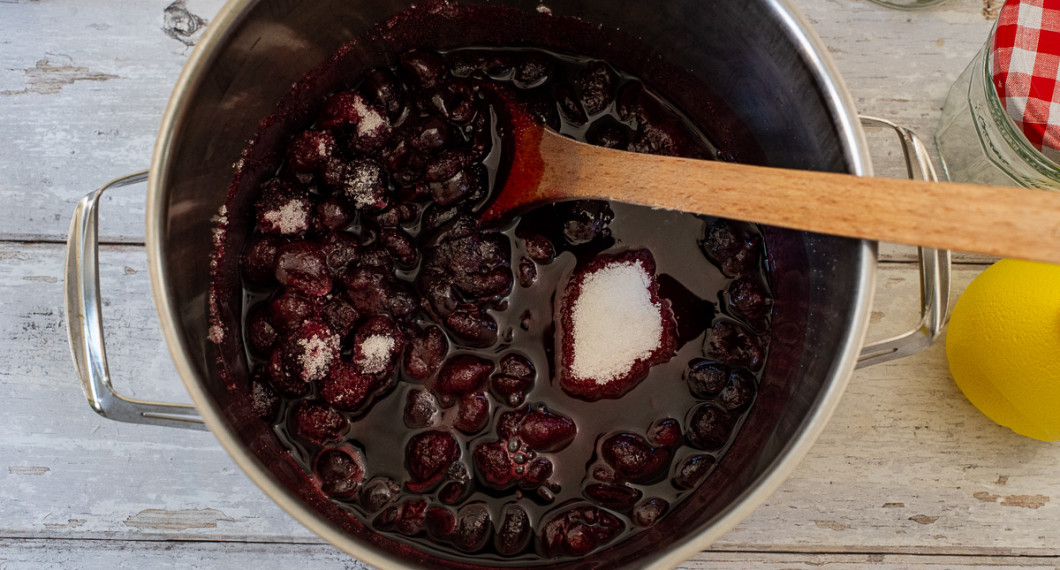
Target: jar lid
x,y
1026,70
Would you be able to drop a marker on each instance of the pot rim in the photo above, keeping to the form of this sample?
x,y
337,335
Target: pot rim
x,y
855,149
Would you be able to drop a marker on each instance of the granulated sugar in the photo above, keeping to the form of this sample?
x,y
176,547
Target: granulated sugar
x,y
614,322
291,218
360,187
375,352
370,118
317,353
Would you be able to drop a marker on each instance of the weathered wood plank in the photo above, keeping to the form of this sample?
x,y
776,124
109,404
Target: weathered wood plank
x,y
16,554
905,466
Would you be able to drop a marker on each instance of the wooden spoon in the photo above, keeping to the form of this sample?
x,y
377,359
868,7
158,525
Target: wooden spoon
x,y
1001,221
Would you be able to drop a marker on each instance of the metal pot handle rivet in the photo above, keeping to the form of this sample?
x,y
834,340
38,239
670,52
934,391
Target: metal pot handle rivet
x,y
934,267
84,324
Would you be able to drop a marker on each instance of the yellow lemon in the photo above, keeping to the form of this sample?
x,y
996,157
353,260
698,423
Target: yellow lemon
x,y
1003,345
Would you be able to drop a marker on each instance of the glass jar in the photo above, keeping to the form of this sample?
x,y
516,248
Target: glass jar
x,y
978,142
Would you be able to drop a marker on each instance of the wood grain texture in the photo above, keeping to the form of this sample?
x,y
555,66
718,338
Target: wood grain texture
x,y
991,220
907,473
19,554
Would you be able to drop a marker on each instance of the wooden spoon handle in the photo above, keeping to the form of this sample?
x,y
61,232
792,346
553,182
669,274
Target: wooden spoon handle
x,y
1001,221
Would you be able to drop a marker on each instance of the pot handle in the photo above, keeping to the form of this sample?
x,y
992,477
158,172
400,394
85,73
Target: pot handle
x,y
84,324
934,267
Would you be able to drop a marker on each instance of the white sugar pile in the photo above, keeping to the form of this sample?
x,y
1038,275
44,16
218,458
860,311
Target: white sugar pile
x,y
291,218
375,353
317,353
614,322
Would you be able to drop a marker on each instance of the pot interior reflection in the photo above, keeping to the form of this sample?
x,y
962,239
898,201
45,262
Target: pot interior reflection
x,y
731,68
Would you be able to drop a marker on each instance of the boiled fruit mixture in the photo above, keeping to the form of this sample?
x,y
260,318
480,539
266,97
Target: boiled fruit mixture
x,y
532,391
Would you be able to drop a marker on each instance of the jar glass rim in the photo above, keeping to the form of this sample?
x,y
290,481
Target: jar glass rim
x,y
1008,128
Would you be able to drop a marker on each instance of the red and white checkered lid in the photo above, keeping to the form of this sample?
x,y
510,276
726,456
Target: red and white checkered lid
x,y
1026,70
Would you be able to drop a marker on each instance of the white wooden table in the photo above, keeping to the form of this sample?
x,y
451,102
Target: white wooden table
x,y
906,474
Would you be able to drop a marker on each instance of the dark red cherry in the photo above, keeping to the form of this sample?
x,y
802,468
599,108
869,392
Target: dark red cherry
x,y
709,427
463,373
634,458
706,378
319,423
427,456
425,353
310,150
648,512
346,388
301,266
421,409
514,532
578,531
692,471
339,471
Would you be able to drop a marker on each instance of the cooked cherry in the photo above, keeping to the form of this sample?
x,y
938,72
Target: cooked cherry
x,y
665,433
585,220
264,402
706,378
448,164
634,458
474,327
310,150
301,266
739,391
339,314
463,373
440,523
362,181
426,68
427,456
384,89
709,427
307,354
649,510
346,387
283,209
376,346
748,298
527,272
546,431
513,380
473,527
578,531
617,497
539,248
465,184
608,132
406,518
421,409
260,334
425,353
319,423
532,70
569,106
378,493
735,345
514,532
692,471
258,262
473,413
339,471
331,214
731,246
596,87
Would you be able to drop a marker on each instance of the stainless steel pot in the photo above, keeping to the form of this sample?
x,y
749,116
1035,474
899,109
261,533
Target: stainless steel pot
x,y
761,62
